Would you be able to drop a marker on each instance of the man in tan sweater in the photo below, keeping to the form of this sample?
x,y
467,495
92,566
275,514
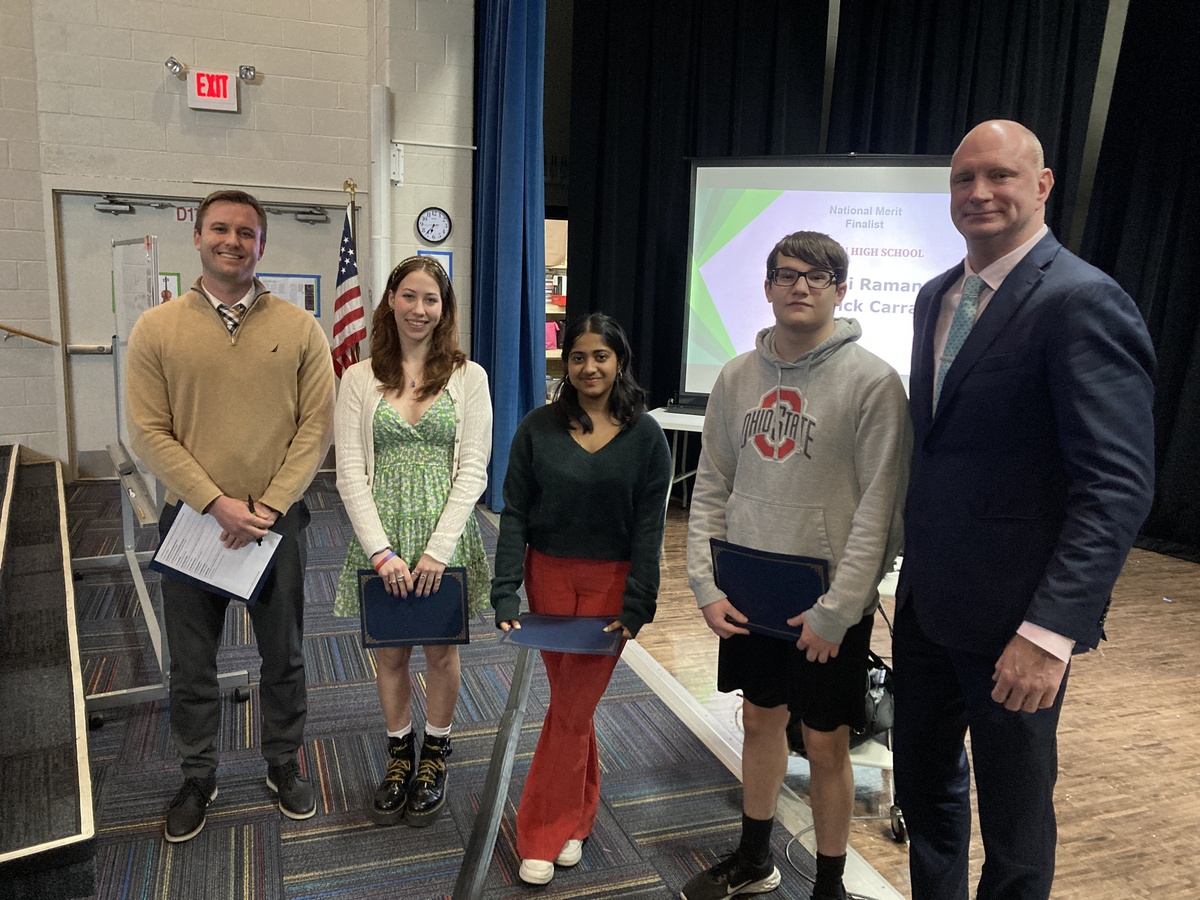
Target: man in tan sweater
x,y
229,399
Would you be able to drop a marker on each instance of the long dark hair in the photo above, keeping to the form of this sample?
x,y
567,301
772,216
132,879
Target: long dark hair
x,y
626,401
387,356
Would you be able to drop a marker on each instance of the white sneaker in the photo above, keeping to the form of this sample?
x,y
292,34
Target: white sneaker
x,y
536,871
571,853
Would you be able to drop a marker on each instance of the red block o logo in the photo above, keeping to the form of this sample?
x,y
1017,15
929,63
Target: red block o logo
x,y
788,397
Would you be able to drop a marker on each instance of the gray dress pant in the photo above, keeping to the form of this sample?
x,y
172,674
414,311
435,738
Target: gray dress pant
x,y
194,621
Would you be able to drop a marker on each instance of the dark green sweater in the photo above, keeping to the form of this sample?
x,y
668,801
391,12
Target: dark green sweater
x,y
563,501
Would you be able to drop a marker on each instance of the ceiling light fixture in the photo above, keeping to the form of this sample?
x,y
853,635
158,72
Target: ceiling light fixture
x,y
176,68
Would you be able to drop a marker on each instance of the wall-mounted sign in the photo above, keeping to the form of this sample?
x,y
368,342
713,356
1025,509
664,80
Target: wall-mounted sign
x,y
445,257
303,291
213,90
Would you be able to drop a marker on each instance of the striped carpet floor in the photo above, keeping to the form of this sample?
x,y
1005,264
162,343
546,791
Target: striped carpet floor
x,y
668,809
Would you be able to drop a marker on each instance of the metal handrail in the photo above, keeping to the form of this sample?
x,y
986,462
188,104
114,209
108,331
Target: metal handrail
x,y
478,854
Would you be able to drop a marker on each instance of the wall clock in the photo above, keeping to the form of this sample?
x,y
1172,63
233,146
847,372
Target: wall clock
x,y
433,224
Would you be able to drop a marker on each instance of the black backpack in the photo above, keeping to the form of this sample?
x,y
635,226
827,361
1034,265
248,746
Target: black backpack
x,y
880,708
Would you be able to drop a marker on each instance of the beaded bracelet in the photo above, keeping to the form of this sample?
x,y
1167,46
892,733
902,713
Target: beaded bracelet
x,y
387,556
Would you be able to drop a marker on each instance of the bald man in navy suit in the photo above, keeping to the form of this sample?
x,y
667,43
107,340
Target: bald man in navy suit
x,y
1033,469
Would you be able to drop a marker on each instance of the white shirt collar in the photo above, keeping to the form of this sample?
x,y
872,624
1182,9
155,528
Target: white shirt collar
x,y
246,301
993,275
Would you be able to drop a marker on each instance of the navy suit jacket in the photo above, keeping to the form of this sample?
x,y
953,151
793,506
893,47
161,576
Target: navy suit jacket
x,y
1031,480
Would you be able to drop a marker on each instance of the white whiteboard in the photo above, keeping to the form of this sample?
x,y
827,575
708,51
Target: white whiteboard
x,y
135,271
135,277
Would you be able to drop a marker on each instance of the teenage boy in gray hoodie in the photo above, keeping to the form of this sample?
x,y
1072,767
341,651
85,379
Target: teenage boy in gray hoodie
x,y
806,451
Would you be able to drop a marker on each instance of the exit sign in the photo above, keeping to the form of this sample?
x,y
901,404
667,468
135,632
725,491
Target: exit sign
x,y
213,90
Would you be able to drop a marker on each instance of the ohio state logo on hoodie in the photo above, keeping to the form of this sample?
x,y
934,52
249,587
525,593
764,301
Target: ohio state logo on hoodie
x,y
778,427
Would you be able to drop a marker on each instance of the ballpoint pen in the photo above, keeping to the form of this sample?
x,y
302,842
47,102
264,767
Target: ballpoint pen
x,y
250,503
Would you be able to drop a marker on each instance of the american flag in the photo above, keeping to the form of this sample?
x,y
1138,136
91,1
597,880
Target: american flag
x,y
349,320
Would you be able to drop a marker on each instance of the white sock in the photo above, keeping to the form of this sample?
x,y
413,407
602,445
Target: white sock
x,y
434,731
403,732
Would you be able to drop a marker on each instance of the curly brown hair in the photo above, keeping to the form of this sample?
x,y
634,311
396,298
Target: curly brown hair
x,y
387,356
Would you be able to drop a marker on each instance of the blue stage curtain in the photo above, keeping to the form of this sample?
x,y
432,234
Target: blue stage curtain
x,y
510,271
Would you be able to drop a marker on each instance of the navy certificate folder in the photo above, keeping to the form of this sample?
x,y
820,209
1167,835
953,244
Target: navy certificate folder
x,y
412,621
768,588
249,598
566,634
191,551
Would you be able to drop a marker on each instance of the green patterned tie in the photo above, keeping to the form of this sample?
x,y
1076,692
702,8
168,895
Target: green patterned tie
x,y
960,327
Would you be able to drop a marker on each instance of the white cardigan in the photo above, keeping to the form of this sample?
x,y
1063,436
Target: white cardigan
x,y
354,430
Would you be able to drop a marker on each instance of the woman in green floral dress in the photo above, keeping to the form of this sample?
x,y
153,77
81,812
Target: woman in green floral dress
x,y
414,428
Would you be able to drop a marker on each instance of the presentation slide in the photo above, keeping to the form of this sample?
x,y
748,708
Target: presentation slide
x,y
892,216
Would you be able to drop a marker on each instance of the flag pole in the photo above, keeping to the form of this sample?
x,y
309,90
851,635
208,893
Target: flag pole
x,y
351,187
349,326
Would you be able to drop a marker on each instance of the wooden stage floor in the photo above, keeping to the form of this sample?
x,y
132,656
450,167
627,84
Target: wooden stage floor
x,y
1129,740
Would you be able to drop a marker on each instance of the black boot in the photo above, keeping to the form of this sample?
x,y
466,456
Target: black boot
x,y
428,793
391,797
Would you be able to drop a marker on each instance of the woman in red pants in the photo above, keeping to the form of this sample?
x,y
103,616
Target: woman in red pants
x,y
584,501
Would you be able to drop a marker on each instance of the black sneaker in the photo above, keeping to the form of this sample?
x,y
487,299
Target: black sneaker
x,y
297,800
730,877
187,812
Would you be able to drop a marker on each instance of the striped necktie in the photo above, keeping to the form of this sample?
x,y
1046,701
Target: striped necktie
x,y
960,327
232,315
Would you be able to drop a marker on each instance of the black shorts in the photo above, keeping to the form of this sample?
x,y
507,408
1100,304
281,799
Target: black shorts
x,y
771,672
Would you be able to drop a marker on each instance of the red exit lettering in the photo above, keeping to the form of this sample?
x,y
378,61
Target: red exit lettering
x,y
212,84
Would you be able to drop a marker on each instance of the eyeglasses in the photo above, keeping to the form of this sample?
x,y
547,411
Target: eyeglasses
x,y
816,278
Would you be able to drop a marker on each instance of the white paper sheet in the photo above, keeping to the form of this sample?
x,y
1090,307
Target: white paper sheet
x,y
193,549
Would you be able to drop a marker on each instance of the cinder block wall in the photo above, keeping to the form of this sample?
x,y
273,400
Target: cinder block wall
x,y
28,413
84,97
